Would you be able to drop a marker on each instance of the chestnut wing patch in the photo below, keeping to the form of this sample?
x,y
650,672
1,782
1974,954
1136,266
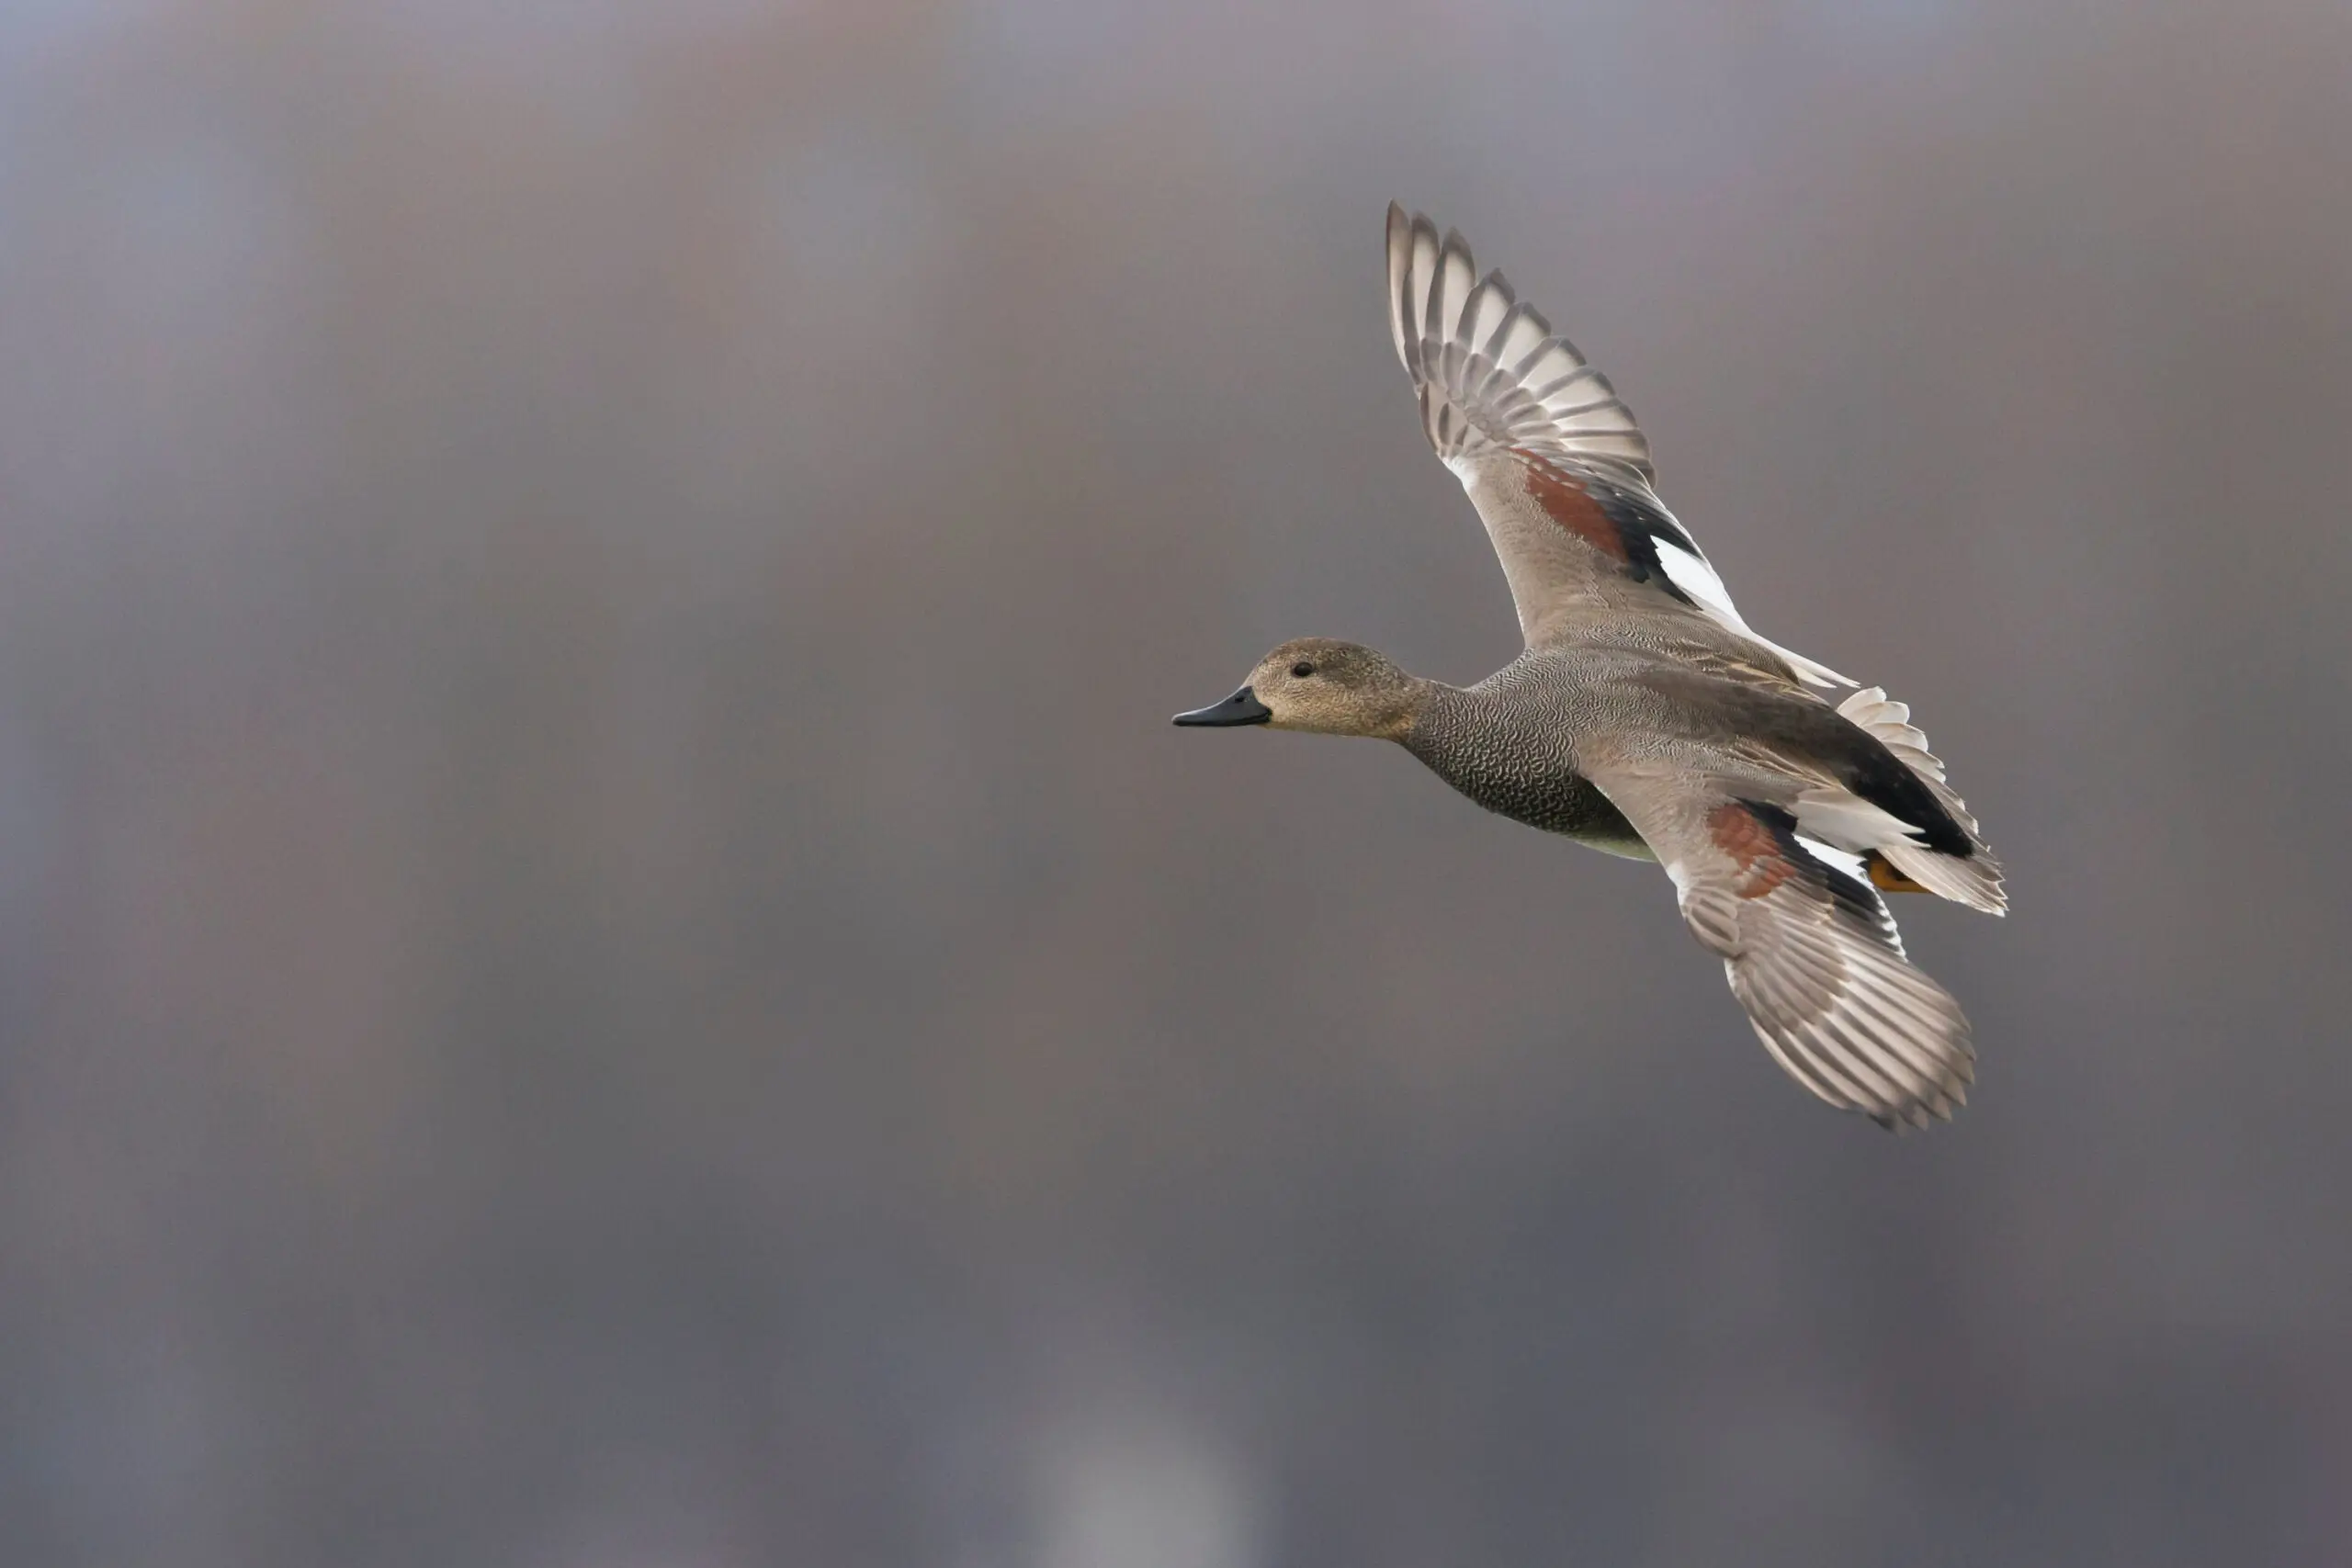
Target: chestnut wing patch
x,y
1763,843
1627,527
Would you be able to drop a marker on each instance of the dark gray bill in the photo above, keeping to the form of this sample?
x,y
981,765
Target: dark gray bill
x,y
1242,707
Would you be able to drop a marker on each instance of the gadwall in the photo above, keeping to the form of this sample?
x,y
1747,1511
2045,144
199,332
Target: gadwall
x,y
1645,718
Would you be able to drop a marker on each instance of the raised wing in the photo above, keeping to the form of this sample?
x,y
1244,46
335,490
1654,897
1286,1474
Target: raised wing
x,y
1550,455
1809,949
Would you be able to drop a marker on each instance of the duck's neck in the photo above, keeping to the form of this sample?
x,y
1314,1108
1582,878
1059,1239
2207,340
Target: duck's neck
x,y
1399,712
1439,716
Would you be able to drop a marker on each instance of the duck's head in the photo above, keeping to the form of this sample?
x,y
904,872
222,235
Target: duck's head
x,y
1321,684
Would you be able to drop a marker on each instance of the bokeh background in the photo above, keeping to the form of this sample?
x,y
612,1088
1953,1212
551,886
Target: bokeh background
x,y
608,959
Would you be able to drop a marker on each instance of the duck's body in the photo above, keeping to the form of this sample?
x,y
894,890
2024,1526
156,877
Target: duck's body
x,y
1646,719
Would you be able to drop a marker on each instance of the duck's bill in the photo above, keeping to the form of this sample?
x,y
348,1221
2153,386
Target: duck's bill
x,y
1242,707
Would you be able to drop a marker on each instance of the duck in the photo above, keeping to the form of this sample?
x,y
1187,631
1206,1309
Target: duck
x,y
1643,718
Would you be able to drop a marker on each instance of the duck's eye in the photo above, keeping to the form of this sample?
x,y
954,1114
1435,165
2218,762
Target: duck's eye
x,y
1302,668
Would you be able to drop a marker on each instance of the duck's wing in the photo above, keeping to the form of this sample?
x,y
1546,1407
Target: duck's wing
x,y
1550,456
1808,945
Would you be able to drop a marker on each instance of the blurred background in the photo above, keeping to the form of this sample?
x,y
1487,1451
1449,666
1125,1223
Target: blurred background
x,y
607,958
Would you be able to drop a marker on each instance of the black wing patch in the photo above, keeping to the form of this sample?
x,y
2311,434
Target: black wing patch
x,y
1849,892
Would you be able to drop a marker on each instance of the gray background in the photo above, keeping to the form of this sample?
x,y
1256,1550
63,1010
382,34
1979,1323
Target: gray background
x,y
606,957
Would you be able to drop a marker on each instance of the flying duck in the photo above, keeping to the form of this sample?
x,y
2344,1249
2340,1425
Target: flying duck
x,y
1645,718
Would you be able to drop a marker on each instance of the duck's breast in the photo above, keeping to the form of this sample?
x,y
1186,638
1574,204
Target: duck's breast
x,y
1515,760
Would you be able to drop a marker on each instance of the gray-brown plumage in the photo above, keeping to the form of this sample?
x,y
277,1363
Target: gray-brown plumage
x,y
1645,718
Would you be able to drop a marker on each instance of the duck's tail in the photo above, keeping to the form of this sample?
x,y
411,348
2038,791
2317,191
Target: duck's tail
x,y
1902,863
